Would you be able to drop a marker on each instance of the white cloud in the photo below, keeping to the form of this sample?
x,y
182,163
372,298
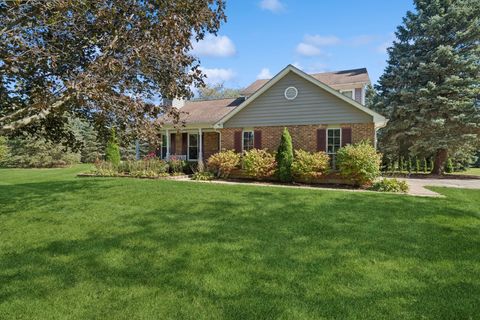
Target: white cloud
x,y
214,46
297,65
309,50
218,75
264,74
362,40
272,5
312,44
382,48
320,41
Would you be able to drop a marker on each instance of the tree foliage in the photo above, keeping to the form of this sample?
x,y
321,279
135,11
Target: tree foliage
x,y
27,151
3,148
112,153
429,88
284,157
217,91
101,60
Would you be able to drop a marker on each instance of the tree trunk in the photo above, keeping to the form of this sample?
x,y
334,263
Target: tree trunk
x,y
439,163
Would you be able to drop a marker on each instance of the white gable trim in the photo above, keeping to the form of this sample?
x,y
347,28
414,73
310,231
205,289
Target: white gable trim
x,y
379,120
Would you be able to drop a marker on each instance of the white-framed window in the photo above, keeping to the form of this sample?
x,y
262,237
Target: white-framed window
x,y
193,145
334,140
163,151
350,93
247,140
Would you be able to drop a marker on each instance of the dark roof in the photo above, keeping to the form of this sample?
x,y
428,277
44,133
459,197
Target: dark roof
x,y
329,78
207,111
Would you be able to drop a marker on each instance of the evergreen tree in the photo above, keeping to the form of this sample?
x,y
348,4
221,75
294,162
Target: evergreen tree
x,y
112,153
90,147
284,157
3,148
429,88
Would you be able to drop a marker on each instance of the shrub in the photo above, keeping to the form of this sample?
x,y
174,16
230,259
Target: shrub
x,y
360,163
449,168
390,185
223,162
112,153
149,167
105,169
259,163
284,157
308,166
203,176
425,165
417,165
176,165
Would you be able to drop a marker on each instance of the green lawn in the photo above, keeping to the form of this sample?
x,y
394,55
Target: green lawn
x,y
470,171
93,248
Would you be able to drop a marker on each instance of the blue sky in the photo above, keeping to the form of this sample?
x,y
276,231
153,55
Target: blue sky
x,y
261,37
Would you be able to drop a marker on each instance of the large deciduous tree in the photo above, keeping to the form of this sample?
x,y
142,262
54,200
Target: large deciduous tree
x,y
217,91
430,86
101,60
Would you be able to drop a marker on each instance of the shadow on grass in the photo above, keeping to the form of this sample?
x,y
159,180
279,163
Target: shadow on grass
x,y
256,252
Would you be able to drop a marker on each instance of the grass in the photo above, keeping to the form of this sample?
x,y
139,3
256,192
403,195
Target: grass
x,y
469,171
95,248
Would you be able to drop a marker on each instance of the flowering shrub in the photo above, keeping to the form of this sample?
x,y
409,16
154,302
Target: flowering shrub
x,y
360,163
390,185
176,165
308,166
259,163
223,162
203,176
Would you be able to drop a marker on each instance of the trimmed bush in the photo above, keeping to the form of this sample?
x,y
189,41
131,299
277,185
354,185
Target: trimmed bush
x,y
390,185
259,163
308,166
112,153
284,157
223,162
360,163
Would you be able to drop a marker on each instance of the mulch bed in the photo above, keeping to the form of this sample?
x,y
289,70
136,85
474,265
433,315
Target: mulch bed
x,y
430,176
92,175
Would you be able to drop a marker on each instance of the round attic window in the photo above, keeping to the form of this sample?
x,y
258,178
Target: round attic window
x,y
291,93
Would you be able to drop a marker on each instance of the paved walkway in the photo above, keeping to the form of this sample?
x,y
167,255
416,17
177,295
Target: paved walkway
x,y
417,186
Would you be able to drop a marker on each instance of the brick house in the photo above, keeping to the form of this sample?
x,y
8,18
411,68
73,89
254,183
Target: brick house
x,y
322,112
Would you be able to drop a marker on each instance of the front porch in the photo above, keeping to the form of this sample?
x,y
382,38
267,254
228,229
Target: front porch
x,y
193,145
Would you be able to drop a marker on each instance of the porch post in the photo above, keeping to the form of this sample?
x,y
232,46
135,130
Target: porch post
x,y
167,156
200,149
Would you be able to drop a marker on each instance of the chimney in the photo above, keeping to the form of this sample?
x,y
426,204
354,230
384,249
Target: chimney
x,y
176,103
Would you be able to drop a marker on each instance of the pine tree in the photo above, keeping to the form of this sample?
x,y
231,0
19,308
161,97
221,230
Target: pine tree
x,y
429,87
3,148
112,153
284,157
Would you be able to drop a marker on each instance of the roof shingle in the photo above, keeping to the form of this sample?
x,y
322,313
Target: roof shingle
x,y
328,78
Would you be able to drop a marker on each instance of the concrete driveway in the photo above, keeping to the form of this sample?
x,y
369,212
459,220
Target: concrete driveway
x,y
417,186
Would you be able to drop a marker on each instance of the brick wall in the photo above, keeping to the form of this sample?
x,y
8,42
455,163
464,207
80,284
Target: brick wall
x,y
210,144
303,137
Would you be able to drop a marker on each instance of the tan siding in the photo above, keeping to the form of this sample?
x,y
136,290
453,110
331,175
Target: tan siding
x,y
313,105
